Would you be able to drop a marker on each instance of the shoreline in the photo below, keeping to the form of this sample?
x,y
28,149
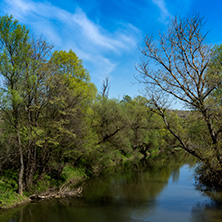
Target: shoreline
x,y
26,200
44,196
66,190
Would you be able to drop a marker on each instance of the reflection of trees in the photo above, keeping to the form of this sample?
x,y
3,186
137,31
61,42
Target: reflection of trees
x,y
210,212
137,185
13,215
176,175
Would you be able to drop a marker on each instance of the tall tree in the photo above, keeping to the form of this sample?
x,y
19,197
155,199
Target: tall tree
x,y
176,65
72,96
14,55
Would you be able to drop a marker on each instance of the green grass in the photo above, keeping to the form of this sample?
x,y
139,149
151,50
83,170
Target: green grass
x,y
8,195
9,199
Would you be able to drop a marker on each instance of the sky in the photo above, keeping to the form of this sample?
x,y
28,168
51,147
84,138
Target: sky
x,y
107,35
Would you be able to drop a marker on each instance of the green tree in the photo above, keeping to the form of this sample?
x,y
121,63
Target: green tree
x,y
69,112
14,56
108,122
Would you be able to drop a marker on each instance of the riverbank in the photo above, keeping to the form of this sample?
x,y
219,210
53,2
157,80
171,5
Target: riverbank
x,y
47,188
21,200
16,200
13,200
72,185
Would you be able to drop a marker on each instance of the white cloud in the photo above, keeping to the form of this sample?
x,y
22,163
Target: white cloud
x,y
39,14
93,33
66,30
163,9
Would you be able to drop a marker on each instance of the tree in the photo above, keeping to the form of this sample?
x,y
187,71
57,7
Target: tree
x,y
14,50
35,81
105,88
67,123
24,93
177,66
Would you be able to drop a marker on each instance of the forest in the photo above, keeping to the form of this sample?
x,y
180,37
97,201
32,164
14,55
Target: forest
x,y
58,129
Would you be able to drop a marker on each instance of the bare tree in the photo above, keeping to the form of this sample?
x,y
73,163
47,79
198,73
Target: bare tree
x,y
177,65
105,89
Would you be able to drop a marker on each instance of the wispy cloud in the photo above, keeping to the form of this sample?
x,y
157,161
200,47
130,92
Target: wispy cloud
x,y
95,33
165,14
66,30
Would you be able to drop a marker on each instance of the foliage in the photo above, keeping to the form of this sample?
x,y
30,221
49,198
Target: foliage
x,y
73,174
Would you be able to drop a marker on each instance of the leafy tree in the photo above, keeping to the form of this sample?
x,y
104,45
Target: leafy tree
x,y
108,122
14,56
70,107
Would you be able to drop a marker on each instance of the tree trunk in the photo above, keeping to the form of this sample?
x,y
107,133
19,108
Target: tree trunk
x,y
21,169
31,167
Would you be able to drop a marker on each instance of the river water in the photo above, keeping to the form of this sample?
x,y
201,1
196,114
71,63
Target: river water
x,y
157,191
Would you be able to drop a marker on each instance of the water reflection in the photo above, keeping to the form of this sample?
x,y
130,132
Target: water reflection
x,y
207,212
158,190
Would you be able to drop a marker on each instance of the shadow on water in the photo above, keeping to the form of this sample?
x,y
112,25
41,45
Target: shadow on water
x,y
141,191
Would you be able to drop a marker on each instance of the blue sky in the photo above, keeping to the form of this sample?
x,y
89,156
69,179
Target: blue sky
x,y
106,34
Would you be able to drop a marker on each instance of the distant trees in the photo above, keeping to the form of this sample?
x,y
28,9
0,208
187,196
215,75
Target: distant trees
x,y
182,66
147,133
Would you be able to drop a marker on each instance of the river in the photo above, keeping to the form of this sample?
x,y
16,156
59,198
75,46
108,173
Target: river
x,y
155,191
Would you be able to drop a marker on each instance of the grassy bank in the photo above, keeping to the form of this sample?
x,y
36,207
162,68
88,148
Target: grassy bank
x,y
69,184
8,196
48,187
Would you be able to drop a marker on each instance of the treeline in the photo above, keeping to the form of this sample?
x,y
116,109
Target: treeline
x,y
54,121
